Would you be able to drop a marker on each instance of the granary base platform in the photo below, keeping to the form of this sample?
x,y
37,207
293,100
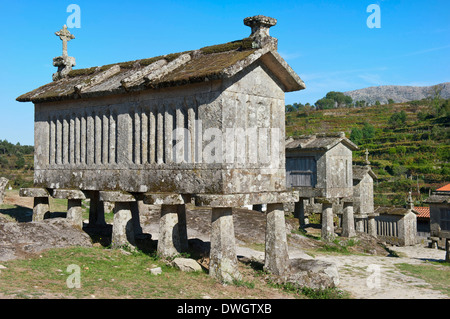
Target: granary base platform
x,y
172,238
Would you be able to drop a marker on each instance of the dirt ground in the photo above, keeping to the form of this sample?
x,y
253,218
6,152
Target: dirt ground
x,y
364,276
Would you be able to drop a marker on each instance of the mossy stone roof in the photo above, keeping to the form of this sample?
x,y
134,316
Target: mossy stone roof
x,y
205,64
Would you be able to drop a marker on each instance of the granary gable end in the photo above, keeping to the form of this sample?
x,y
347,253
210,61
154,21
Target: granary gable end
x,y
117,119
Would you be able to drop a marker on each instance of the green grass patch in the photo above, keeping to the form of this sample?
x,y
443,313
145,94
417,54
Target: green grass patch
x,y
437,274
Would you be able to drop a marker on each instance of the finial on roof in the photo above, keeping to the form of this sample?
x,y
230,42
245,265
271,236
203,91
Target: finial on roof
x,y
260,30
410,203
367,157
64,62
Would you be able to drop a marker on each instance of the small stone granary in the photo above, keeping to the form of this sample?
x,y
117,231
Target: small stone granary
x,y
439,203
363,178
204,126
320,167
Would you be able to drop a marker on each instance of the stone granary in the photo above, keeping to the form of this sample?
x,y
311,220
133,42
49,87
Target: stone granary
x,y
204,126
439,203
363,206
320,168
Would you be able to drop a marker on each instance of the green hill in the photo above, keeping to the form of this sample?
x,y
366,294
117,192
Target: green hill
x,y
409,153
16,163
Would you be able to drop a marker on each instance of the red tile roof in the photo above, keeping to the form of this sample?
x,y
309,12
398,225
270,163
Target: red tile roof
x,y
424,212
445,188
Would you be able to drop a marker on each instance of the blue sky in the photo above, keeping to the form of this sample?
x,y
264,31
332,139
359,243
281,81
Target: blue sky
x,y
328,43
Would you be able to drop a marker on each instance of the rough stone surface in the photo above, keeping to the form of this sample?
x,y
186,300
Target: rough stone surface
x,y
223,260
3,183
186,264
123,228
276,250
315,274
327,222
75,212
169,236
22,239
41,208
348,221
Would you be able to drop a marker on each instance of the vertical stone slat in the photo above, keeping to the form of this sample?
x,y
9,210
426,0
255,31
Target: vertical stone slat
x,y
152,134
105,139
83,137
52,147
98,139
72,139
160,135
112,138
168,128
137,137
144,137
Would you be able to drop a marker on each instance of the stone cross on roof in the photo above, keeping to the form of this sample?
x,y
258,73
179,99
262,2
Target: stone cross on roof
x,y
64,62
65,36
367,157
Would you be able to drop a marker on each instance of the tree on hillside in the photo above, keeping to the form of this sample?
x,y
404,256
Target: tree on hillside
x,y
368,131
356,135
334,99
340,98
324,104
397,119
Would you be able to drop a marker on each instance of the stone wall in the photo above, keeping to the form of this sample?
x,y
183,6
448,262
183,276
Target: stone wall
x,y
338,174
127,142
363,196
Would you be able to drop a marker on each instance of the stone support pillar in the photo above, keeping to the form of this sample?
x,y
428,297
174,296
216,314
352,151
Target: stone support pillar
x,y
359,224
169,234
41,209
372,226
276,250
327,221
75,212
348,222
223,261
41,206
123,228
299,211
172,239
123,225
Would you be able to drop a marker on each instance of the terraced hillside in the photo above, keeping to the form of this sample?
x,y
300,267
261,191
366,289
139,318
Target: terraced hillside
x,y
410,155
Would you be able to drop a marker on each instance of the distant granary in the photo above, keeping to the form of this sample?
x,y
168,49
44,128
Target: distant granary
x,y
320,167
397,225
439,203
363,178
205,126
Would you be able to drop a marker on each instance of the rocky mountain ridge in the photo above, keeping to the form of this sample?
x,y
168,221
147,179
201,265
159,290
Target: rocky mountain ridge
x,y
397,93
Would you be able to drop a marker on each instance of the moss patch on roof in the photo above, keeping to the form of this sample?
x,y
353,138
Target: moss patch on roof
x,y
206,63
210,65
244,44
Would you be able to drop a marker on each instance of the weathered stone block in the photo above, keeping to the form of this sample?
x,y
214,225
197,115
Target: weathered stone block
x,y
186,264
276,250
3,183
223,259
